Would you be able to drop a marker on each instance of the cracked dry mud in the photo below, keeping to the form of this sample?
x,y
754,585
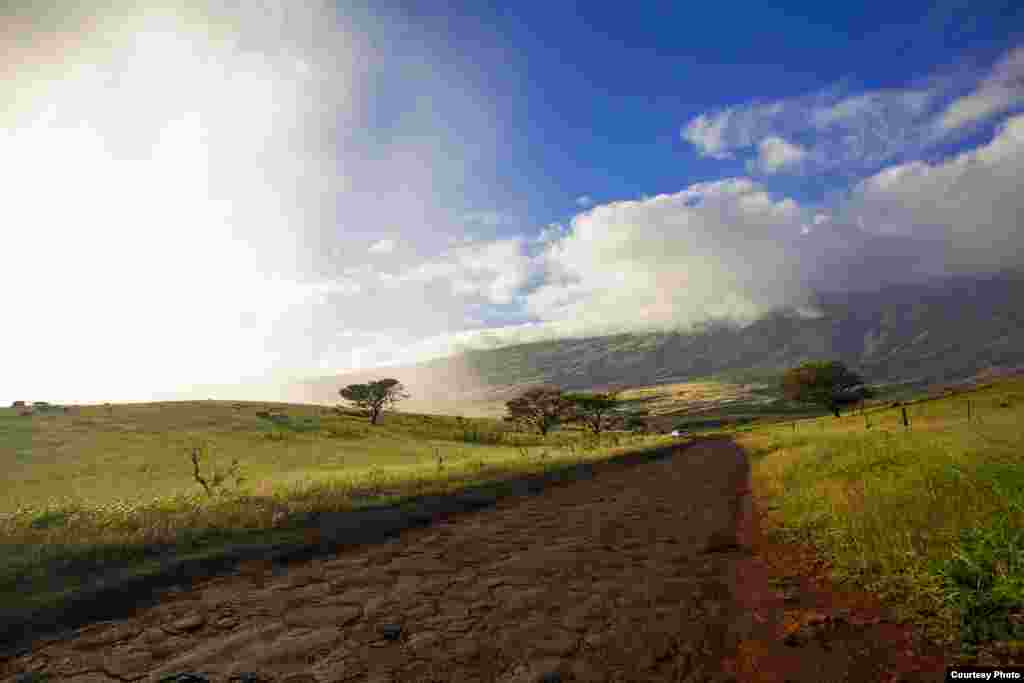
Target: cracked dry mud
x,y
634,575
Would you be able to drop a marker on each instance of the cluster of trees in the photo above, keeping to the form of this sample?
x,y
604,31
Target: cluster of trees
x,y
827,383
543,408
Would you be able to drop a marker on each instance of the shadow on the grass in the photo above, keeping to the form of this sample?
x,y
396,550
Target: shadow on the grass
x,y
117,594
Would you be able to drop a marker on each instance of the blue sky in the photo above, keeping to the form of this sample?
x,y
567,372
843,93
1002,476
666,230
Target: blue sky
x,y
594,96
216,200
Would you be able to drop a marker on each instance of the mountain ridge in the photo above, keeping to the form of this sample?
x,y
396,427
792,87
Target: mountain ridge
x,y
936,331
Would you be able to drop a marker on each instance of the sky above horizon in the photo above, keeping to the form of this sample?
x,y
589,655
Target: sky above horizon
x,y
200,197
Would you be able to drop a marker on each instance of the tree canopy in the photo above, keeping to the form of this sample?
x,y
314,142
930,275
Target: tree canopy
x,y
596,411
373,397
541,407
827,383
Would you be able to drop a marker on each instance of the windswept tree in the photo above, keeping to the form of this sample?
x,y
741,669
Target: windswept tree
x,y
540,407
596,411
826,383
373,397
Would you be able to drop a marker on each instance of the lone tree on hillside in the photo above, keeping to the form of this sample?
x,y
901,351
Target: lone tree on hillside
x,y
374,396
541,407
827,383
596,411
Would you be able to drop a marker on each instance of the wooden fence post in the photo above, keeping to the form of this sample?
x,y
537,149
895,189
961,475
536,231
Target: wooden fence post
x,y
968,410
906,422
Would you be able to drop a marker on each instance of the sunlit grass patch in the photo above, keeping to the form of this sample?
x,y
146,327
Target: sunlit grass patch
x,y
928,513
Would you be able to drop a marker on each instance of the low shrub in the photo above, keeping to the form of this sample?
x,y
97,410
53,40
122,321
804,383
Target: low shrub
x,y
215,486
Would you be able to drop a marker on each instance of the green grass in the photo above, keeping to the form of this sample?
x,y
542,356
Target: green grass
x,y
98,489
931,516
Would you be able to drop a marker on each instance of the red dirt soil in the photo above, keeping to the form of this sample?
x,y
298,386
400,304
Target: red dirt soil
x,y
653,572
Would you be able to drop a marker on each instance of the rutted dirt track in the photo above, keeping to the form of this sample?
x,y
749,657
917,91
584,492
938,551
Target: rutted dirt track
x,y
653,572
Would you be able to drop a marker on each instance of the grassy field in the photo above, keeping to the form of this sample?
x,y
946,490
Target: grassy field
x,y
930,515
100,488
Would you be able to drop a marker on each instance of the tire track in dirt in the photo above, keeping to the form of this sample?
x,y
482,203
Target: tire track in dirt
x,y
638,574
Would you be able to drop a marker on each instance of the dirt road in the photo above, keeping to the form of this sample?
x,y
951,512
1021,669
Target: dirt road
x,y
653,572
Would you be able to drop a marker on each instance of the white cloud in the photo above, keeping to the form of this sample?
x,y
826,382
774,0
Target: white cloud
x,y
671,260
1001,92
729,250
719,250
836,129
494,271
709,134
971,204
775,154
584,201
384,246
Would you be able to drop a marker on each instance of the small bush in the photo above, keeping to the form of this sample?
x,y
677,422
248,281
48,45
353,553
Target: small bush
x,y
215,486
48,520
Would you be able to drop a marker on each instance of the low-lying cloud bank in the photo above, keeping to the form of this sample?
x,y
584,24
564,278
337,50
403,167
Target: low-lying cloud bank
x,y
731,251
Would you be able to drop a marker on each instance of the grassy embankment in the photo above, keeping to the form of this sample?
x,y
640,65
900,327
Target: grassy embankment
x,y
931,516
96,489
